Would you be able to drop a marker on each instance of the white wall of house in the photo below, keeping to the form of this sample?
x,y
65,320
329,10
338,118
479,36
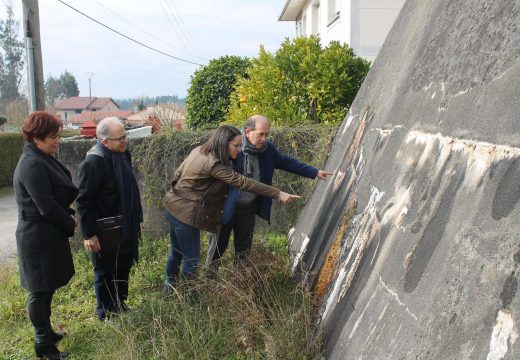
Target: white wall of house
x,y
363,24
66,115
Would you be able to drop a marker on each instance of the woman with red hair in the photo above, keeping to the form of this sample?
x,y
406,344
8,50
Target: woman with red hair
x,y
44,192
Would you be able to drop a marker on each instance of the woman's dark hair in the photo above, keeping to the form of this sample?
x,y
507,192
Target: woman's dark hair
x,y
217,145
39,125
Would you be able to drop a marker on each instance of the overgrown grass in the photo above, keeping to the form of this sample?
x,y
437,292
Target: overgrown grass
x,y
6,191
255,312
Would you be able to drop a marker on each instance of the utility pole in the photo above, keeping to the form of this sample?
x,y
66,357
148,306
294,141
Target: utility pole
x,y
31,25
89,75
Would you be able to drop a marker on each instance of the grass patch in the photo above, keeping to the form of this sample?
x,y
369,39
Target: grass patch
x,y
258,312
6,191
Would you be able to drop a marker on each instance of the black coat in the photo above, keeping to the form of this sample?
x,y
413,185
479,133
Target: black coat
x,y
98,198
44,191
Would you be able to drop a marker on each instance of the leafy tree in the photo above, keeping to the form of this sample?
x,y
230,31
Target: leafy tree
x,y
11,55
60,88
128,104
70,85
53,90
302,83
208,96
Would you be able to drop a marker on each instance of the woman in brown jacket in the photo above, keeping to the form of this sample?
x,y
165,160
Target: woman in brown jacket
x,y
196,200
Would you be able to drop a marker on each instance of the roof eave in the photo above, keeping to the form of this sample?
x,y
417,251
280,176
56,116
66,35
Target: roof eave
x,y
292,10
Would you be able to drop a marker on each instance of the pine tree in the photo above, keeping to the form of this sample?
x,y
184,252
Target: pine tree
x,y
11,54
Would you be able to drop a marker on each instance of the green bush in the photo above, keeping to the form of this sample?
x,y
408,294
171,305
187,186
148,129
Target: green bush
x,y
302,83
11,146
208,96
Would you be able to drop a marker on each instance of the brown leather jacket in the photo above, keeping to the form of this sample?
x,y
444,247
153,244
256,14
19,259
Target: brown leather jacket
x,y
199,190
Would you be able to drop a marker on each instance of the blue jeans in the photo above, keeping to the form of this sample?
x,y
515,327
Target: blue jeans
x,y
184,248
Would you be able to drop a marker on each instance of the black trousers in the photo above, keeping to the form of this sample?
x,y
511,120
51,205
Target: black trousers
x,y
111,287
39,308
242,225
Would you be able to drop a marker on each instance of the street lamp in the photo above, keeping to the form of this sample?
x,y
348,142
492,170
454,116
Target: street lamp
x,y
89,75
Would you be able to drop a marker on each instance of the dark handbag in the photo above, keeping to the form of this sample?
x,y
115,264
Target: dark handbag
x,y
109,235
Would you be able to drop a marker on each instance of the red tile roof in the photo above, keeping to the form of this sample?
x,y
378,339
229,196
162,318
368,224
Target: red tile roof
x,y
98,103
83,102
72,103
97,115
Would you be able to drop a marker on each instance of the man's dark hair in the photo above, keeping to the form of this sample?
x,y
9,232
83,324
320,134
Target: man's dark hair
x,y
217,145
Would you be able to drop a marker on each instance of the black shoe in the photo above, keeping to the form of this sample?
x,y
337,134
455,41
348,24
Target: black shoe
x,y
57,336
50,352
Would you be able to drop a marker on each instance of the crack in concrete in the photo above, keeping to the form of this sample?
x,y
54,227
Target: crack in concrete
x,y
396,297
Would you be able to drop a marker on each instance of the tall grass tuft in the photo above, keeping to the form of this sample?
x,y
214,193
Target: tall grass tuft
x,y
255,311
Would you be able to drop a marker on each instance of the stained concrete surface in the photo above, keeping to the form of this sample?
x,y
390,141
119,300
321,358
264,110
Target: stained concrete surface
x,y
429,157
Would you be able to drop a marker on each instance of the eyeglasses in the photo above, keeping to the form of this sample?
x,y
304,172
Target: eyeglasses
x,y
237,146
120,139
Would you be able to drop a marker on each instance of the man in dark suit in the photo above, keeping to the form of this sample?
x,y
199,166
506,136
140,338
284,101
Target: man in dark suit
x,y
258,160
108,189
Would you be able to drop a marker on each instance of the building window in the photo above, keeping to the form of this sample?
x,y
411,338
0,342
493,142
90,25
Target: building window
x,y
332,11
77,111
316,18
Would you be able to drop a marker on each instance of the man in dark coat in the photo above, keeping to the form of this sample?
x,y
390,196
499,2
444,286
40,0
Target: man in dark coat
x,y
258,160
44,192
108,188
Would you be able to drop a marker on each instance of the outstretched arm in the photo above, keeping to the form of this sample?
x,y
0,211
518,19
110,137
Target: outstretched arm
x,y
227,175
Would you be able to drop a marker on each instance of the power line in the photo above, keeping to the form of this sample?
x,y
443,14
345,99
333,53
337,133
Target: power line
x,y
183,27
175,29
128,37
141,29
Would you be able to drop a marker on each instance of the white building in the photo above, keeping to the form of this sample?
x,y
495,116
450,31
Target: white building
x,y
363,24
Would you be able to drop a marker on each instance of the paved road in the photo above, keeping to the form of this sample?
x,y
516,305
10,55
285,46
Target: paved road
x,y
8,221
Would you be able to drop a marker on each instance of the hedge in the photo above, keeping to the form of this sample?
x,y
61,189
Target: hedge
x,y
157,157
11,146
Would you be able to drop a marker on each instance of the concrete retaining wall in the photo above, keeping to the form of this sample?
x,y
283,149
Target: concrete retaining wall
x,y
414,246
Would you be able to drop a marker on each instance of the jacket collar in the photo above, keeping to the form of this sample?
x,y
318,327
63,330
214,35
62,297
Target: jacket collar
x,y
62,173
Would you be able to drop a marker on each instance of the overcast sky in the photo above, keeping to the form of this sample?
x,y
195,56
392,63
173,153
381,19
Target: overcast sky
x,y
195,30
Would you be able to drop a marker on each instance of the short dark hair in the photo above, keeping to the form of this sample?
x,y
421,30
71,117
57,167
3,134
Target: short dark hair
x,y
217,145
39,125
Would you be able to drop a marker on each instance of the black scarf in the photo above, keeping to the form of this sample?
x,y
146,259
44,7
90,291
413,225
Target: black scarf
x,y
249,151
128,191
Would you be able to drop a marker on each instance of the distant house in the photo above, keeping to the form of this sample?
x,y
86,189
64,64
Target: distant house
x,y
69,108
77,120
170,115
363,24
